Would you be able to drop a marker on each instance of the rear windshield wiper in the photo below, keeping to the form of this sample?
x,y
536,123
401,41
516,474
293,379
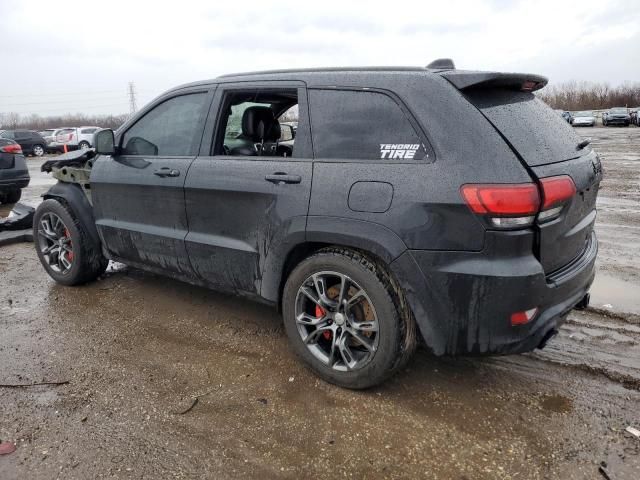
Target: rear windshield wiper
x,y
583,143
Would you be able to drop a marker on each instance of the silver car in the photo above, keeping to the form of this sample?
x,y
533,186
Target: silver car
x,y
585,118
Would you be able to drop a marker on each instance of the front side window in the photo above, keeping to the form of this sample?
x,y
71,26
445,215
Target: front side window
x,y
172,128
7,134
362,125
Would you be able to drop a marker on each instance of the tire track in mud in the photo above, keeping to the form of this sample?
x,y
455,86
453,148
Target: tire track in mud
x,y
597,344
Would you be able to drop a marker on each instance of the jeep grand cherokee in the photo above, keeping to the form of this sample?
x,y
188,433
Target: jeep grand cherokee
x,y
414,204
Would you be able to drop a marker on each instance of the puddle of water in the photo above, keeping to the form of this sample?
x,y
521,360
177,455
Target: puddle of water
x,y
614,294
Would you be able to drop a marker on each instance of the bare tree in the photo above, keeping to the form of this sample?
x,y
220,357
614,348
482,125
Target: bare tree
x,y
12,121
591,96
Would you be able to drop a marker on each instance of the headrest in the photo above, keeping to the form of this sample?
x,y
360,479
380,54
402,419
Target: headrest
x,y
258,124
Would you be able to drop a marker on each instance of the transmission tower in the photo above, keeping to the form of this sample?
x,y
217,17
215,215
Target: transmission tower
x,y
132,98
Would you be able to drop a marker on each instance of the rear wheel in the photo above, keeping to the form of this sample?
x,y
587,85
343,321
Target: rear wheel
x,y
12,196
38,150
64,247
347,319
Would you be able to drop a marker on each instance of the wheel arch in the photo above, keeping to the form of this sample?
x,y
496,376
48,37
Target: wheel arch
x,y
77,201
375,240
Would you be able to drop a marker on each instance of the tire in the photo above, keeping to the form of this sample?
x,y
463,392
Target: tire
x,y
83,145
86,261
391,345
13,196
38,150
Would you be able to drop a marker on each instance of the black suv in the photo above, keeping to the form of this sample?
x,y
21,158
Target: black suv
x,y
414,204
32,143
14,175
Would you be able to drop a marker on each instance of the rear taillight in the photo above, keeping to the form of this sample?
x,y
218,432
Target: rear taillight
x,y
504,205
14,148
515,205
556,193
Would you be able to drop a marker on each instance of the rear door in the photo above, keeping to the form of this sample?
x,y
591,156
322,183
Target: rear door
x,y
548,146
138,195
241,208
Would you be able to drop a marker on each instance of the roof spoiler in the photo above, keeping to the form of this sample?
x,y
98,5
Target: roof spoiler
x,y
465,80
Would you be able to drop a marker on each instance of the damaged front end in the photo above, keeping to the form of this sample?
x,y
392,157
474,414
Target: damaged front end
x,y
73,167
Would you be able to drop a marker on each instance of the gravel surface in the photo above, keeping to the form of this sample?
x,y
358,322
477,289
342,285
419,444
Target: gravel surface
x,y
167,380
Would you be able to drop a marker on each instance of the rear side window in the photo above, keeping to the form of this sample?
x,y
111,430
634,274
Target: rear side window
x,y
538,134
172,128
362,125
88,130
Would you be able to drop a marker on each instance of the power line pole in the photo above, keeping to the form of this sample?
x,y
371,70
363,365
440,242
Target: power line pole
x,y
132,98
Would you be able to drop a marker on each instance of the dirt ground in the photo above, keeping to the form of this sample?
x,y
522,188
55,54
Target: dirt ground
x,y
167,380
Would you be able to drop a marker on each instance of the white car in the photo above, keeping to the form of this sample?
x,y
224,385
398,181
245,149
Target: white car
x,y
76,138
585,118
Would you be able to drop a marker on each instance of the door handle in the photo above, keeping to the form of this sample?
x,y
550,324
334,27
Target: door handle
x,y
167,172
281,177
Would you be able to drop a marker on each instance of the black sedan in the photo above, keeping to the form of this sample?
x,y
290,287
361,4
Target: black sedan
x,y
14,175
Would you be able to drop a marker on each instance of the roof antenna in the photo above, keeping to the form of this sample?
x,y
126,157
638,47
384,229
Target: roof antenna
x,y
442,64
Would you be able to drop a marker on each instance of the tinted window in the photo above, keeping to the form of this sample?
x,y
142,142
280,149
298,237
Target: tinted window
x,y
362,125
7,134
88,130
536,132
172,128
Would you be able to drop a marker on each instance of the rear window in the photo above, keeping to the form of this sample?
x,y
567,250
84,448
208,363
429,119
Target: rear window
x,y
538,134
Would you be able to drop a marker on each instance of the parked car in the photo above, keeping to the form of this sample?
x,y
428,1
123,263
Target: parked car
x,y
31,142
14,175
585,118
75,138
413,203
616,116
566,115
47,134
635,118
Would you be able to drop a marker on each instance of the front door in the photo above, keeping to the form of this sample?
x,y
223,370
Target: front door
x,y
250,190
138,194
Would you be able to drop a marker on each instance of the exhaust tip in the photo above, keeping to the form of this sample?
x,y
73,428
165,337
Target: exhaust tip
x,y
548,336
584,303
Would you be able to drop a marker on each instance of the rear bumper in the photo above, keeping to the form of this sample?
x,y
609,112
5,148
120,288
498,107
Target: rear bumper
x,y
14,183
463,301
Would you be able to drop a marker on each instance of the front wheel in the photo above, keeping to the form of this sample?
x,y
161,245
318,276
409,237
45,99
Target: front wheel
x,y
64,247
347,318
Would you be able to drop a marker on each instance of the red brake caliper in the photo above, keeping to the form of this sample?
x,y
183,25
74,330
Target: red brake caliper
x,y
320,313
68,235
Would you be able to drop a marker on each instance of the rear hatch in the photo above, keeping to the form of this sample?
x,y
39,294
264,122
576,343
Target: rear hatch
x,y
547,146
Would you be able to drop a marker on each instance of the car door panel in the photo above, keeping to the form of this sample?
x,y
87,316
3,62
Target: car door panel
x,y
141,216
235,215
241,208
138,195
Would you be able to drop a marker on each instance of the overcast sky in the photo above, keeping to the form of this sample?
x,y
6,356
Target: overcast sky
x,y
78,56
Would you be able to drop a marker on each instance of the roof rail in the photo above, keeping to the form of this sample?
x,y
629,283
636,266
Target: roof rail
x,y
327,70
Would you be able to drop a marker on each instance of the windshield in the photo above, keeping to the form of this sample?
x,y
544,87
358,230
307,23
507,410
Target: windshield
x,y
585,113
618,110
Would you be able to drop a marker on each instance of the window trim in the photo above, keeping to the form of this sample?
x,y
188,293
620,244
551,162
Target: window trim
x,y
417,127
207,93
